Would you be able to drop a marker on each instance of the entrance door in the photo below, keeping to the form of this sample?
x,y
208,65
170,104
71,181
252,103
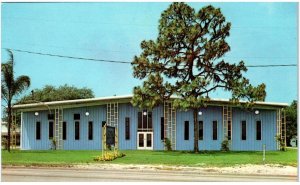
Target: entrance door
x,y
145,140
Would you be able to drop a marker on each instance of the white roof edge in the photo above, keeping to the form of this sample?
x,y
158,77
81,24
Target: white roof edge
x,y
126,97
72,101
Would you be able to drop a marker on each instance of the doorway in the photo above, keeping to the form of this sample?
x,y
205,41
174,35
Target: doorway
x,y
145,140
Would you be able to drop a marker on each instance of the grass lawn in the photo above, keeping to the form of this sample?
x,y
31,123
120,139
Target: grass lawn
x,y
216,158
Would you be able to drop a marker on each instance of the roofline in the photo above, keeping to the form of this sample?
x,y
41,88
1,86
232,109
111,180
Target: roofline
x,y
122,99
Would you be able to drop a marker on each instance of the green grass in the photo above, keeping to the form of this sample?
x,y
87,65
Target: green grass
x,y
211,158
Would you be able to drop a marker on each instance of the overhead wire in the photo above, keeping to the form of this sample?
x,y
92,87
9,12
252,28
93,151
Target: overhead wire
x,y
125,62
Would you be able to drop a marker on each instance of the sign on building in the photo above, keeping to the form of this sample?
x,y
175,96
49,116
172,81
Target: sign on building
x,y
110,135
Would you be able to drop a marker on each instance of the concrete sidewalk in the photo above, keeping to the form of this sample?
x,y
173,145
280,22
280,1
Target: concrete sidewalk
x,y
78,174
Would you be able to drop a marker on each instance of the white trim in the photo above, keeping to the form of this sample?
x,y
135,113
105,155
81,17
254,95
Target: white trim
x,y
21,132
125,98
145,141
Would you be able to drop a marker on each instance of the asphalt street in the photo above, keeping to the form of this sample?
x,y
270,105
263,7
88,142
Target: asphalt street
x,y
17,174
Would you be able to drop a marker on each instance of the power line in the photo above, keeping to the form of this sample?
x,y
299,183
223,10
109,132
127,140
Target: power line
x,y
126,62
134,52
70,57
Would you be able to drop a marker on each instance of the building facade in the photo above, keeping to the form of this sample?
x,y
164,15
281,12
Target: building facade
x,y
78,125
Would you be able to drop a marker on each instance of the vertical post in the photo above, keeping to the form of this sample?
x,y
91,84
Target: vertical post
x,y
103,139
264,153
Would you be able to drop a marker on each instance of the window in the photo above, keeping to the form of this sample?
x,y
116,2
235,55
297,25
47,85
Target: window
x,y
186,130
244,133
90,130
229,130
258,130
76,130
50,116
64,130
162,128
38,130
51,130
200,130
140,124
127,128
215,130
149,120
76,116
144,121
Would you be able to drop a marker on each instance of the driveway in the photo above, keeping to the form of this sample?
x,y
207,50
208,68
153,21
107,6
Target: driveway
x,y
16,174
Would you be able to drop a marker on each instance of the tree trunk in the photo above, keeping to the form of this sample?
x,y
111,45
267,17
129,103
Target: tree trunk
x,y
196,129
8,125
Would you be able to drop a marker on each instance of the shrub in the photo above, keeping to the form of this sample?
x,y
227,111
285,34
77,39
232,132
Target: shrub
x,y
4,143
53,144
281,142
109,156
225,145
167,144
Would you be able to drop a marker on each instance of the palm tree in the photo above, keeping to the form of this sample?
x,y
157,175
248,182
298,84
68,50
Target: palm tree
x,y
11,87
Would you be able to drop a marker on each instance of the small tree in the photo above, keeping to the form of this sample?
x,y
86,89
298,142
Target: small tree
x,y
225,145
11,87
186,60
50,93
291,121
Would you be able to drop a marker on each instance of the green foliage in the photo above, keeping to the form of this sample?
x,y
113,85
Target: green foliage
x,y
10,88
168,144
281,142
4,143
53,144
185,61
109,156
208,158
291,121
225,145
50,93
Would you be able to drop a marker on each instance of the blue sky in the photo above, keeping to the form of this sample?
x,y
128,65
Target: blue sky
x,y
262,33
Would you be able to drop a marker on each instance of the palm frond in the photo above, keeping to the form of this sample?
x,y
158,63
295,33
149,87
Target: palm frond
x,y
7,79
4,92
20,84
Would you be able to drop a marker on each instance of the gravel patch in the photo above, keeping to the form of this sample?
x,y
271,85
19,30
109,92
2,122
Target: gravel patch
x,y
248,169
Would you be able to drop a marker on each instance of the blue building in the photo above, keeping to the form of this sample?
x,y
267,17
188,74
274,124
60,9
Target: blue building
x,y
78,125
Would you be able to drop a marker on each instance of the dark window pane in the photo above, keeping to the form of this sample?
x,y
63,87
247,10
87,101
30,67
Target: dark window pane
x,y
50,116
162,128
200,130
186,130
244,133
38,130
149,139
64,130
229,130
258,130
90,130
76,130
149,120
51,129
141,140
140,126
145,119
127,128
215,130
76,116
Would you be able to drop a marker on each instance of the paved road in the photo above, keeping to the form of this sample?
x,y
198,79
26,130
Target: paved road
x,y
70,174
